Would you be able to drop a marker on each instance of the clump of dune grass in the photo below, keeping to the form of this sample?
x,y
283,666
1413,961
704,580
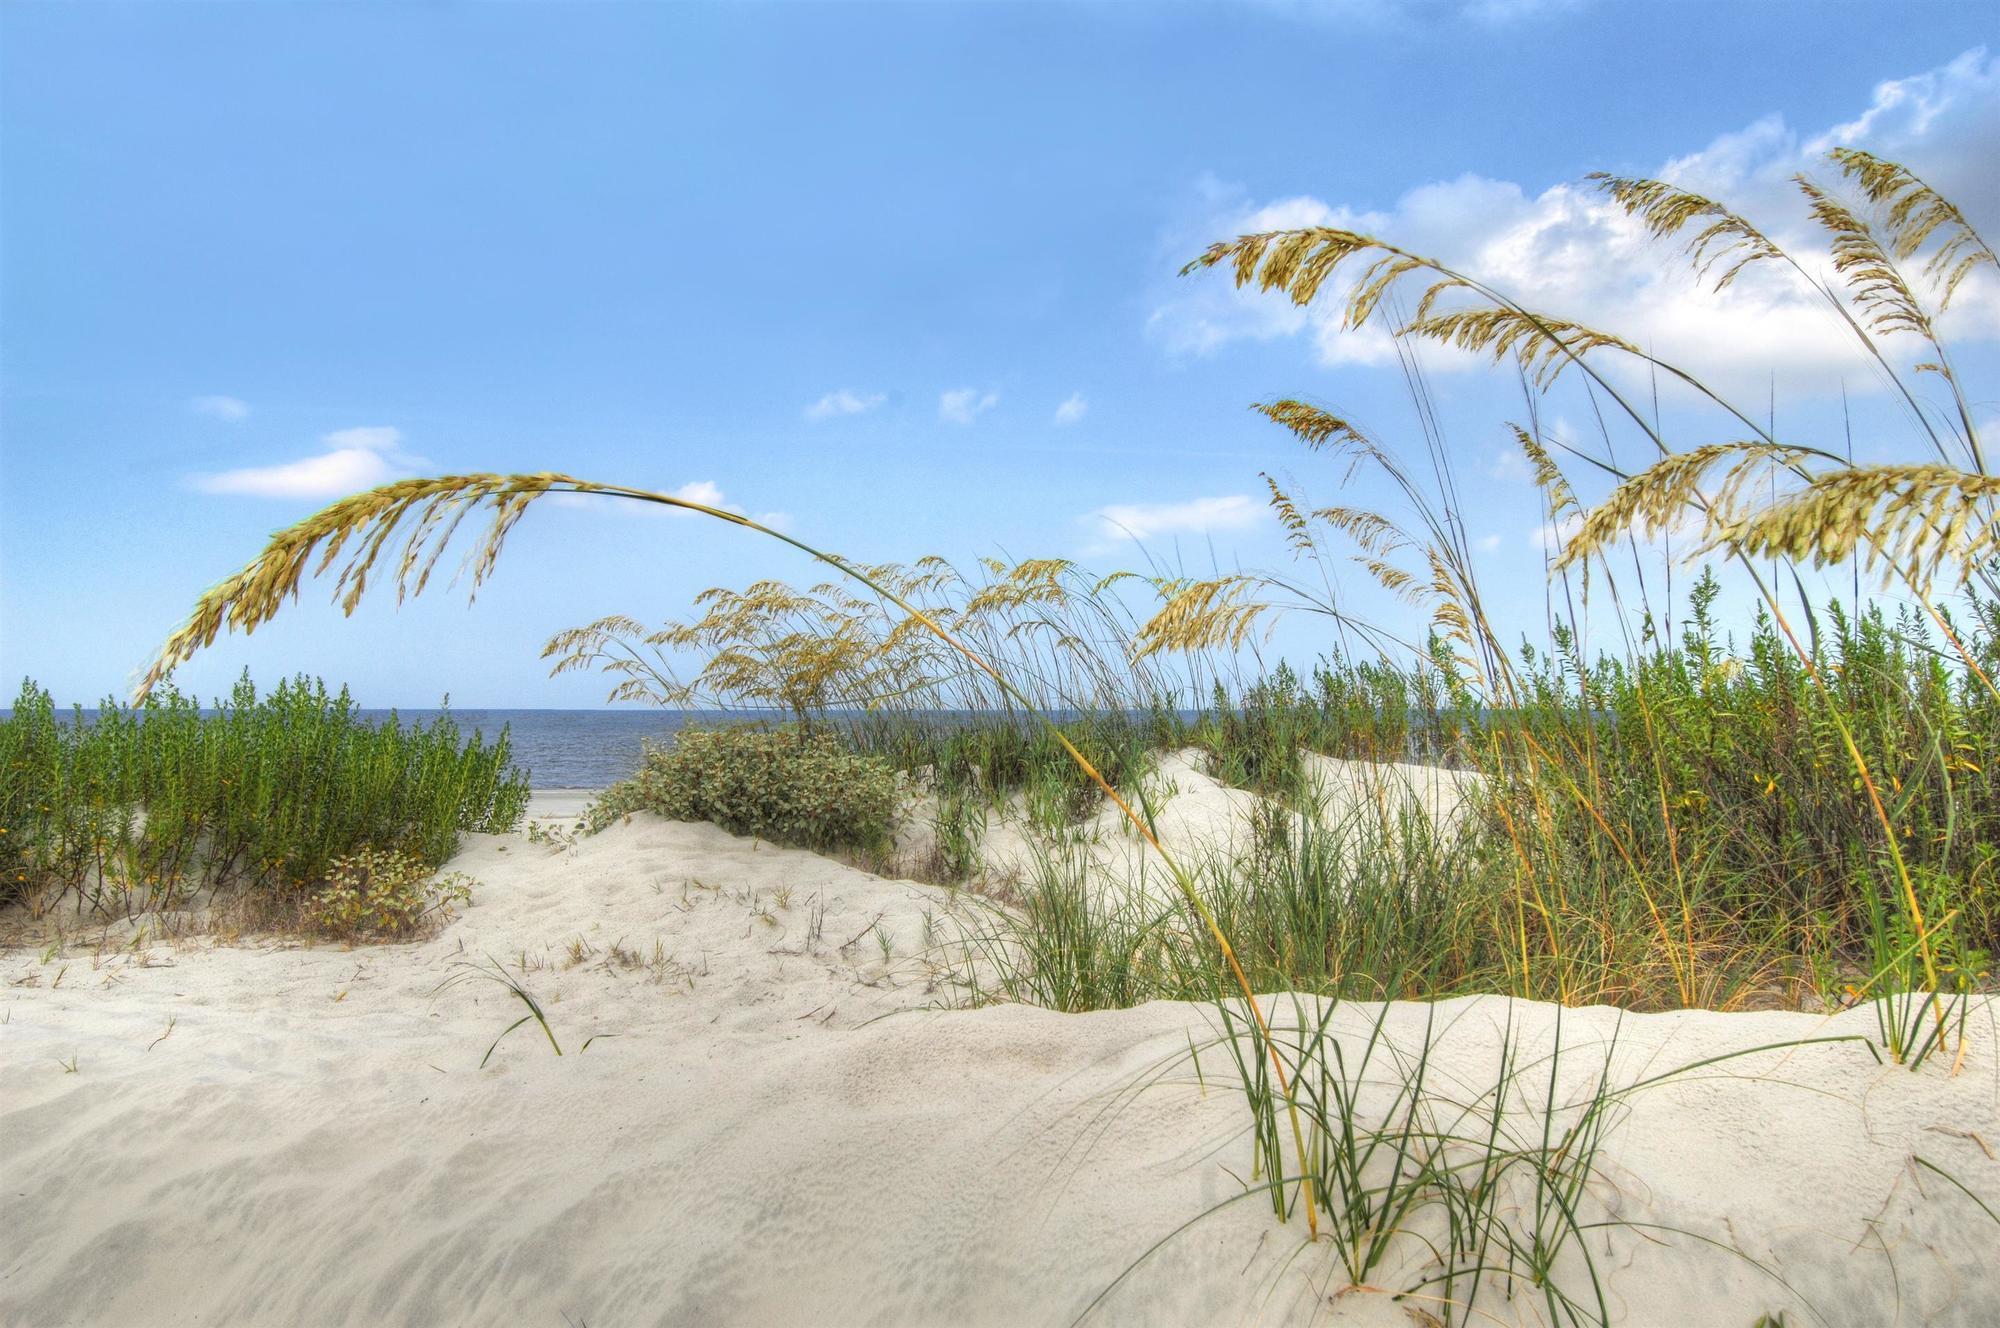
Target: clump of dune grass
x,y
1484,1190
1340,901
1465,1189
857,664
1059,637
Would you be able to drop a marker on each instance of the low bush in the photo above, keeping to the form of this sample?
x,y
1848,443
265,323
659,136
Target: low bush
x,y
789,785
379,894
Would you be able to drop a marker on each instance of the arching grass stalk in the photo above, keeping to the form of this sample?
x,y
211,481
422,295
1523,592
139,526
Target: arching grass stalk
x,y
437,506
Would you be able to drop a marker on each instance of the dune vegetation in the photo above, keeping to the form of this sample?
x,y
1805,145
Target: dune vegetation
x,y
1799,808
290,806
1794,809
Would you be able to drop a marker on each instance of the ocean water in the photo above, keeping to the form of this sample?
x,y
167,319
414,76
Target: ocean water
x,y
566,748
589,749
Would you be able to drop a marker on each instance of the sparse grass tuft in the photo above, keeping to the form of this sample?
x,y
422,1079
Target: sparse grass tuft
x,y
492,971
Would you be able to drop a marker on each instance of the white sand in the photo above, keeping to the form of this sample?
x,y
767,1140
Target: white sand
x,y
791,1131
1193,814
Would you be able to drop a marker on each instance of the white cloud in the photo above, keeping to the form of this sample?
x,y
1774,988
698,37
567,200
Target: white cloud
x,y
1072,409
372,437
706,492
962,405
1507,464
1568,251
1938,104
1498,13
1486,543
356,459
328,475
1112,526
709,494
844,401
221,408
1552,536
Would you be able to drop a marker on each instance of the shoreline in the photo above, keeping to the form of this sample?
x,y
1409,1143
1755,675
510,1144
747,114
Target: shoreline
x,y
558,803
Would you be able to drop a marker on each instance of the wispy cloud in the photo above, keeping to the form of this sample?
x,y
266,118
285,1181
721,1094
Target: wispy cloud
x,y
1118,523
1499,13
221,408
371,437
1554,536
844,401
355,459
1072,409
706,492
962,405
1409,15
1576,254
1507,462
709,494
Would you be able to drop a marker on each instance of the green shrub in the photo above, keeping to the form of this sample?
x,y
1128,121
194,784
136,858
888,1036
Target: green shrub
x,y
788,785
381,894
142,807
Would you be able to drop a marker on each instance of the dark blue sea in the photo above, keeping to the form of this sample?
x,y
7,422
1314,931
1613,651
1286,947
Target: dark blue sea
x,y
592,748
566,748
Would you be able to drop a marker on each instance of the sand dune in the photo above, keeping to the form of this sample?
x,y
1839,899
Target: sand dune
x,y
780,1122
1195,815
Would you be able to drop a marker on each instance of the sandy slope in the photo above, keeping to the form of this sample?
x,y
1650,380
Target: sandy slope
x,y
787,1128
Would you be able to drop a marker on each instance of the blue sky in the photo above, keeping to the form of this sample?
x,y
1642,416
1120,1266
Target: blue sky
x,y
903,275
